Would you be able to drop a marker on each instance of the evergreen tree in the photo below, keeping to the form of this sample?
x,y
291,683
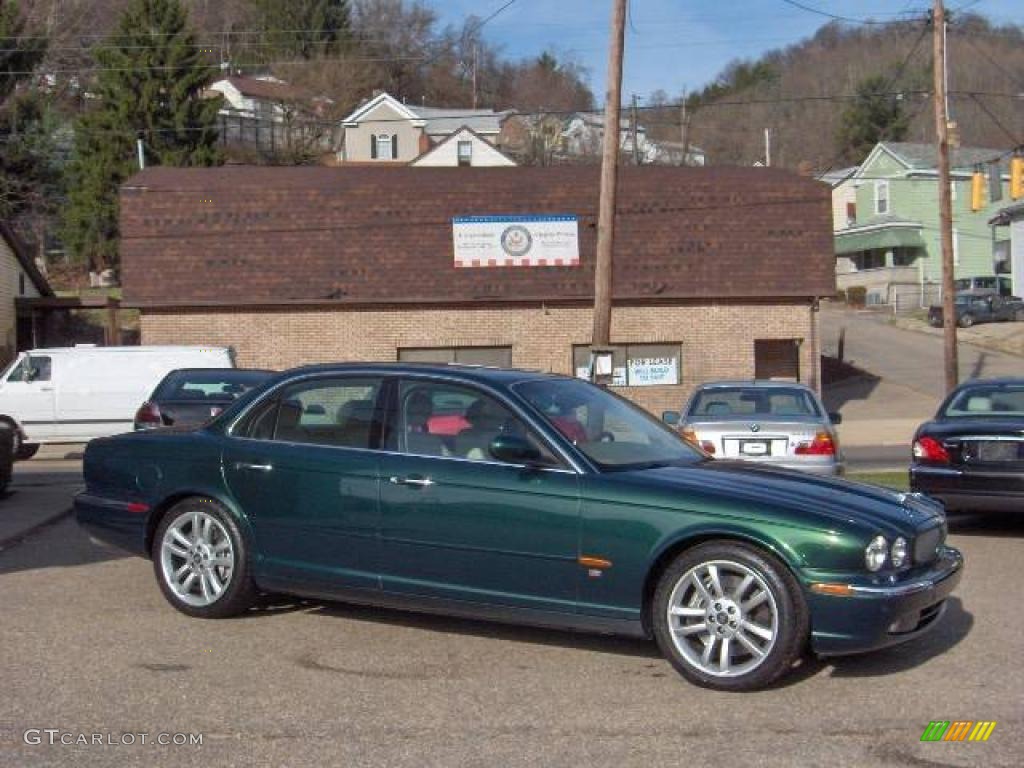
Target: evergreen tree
x,y
305,29
873,116
149,85
24,144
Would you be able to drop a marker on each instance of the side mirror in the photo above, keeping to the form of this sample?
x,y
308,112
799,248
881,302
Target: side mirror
x,y
836,418
672,418
514,449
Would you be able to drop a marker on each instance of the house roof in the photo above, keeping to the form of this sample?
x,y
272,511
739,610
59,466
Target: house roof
x,y
445,120
435,120
454,136
879,232
383,236
924,157
264,90
20,251
838,176
1008,214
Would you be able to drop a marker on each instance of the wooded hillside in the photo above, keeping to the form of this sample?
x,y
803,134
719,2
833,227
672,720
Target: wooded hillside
x,y
800,92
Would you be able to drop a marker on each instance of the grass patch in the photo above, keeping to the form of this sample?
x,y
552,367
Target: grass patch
x,y
898,480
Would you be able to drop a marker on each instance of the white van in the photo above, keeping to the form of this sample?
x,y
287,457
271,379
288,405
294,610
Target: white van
x,y
73,394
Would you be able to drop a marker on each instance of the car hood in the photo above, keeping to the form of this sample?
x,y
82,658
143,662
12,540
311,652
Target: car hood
x,y
982,425
813,497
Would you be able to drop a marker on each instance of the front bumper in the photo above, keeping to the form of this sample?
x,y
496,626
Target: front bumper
x,y
970,490
879,613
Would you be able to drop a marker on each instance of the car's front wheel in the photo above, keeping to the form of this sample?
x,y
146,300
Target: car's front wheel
x,y
201,560
730,617
966,321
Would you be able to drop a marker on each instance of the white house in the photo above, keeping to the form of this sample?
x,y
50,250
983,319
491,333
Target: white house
x,y
465,147
261,97
583,135
19,278
385,130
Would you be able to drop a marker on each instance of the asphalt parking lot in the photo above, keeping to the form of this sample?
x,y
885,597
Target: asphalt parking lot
x,y
90,647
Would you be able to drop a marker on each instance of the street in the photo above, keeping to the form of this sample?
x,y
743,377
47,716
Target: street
x,y
907,358
91,647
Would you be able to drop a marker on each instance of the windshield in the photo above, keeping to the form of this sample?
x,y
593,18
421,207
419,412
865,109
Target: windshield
x,y
611,431
986,400
765,403
220,384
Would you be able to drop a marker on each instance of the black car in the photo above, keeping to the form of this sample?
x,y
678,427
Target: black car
x,y
971,455
973,308
190,396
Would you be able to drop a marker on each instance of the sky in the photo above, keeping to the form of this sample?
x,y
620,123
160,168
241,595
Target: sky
x,y
677,45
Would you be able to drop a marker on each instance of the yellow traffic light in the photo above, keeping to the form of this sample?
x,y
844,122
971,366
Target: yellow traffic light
x,y
1017,177
977,191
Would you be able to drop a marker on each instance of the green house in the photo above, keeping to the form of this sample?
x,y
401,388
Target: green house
x,y
888,239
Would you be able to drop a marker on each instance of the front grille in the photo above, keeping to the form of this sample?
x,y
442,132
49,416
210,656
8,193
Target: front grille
x,y
927,543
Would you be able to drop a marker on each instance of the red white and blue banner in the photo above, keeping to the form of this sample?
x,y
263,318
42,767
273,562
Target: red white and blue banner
x,y
516,241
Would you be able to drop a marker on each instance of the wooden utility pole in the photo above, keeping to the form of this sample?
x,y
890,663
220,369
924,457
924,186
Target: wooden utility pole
x,y
952,363
609,178
635,130
684,132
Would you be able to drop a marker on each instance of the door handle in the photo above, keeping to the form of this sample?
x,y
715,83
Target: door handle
x,y
254,467
419,482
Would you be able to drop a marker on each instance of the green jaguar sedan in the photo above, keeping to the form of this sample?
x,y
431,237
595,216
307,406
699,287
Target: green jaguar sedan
x,y
523,497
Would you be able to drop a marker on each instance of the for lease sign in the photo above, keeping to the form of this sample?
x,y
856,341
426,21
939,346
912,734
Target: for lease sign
x,y
653,371
516,241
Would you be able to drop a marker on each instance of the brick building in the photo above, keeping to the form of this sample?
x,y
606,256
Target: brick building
x,y
717,271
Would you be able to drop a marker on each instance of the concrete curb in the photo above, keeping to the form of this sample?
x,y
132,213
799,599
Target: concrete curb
x,y
14,539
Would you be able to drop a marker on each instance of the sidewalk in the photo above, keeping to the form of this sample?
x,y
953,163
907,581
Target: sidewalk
x,y
39,495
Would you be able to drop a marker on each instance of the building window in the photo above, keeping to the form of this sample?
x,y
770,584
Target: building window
x,y
881,197
851,214
381,147
465,153
777,359
496,357
636,365
21,283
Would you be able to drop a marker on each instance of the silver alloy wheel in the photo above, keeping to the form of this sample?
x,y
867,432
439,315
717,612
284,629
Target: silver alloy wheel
x,y
723,618
197,558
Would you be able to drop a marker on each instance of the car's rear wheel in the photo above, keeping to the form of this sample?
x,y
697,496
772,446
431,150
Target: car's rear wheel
x,y
728,616
201,560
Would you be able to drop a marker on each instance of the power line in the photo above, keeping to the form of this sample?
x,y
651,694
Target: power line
x,y
833,16
995,63
999,123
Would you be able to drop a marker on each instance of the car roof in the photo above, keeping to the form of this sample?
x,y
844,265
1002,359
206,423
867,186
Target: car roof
x,y
469,373
754,383
996,382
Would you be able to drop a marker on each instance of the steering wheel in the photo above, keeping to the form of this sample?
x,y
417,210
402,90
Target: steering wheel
x,y
606,437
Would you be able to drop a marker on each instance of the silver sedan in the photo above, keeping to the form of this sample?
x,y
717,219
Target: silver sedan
x,y
772,422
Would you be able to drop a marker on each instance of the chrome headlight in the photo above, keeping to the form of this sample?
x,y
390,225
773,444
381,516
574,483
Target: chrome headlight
x,y
899,553
876,553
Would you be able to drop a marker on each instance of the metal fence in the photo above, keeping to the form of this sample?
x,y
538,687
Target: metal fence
x,y
277,135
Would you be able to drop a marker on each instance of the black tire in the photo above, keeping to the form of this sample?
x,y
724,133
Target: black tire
x,y
26,451
239,592
966,321
792,625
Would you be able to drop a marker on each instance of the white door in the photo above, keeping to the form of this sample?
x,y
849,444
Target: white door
x,y
26,395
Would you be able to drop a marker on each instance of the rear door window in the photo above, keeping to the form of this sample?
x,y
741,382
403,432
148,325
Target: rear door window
x,y
343,413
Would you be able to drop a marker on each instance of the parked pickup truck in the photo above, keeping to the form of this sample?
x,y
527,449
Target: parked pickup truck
x,y
974,308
